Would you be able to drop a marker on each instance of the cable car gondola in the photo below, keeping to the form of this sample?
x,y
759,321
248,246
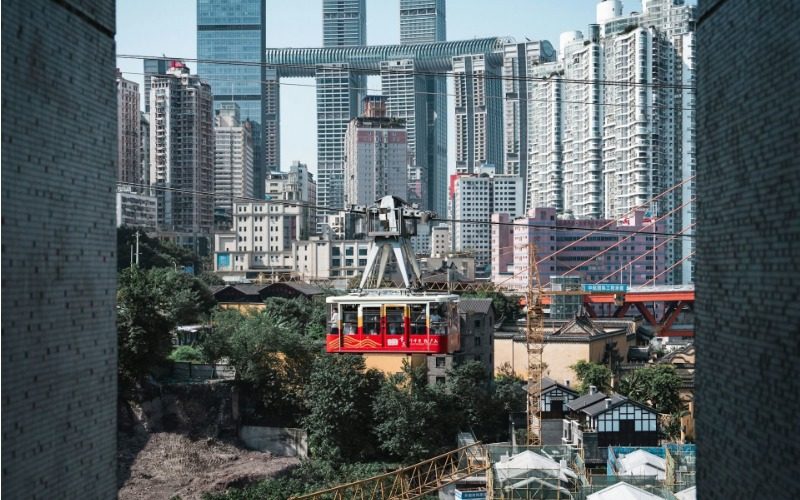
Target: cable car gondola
x,y
376,319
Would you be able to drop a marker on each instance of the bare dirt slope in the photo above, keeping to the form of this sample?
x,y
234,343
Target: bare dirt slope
x,y
170,464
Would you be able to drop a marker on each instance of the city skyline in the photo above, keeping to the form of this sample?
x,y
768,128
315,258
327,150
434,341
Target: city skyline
x,y
174,35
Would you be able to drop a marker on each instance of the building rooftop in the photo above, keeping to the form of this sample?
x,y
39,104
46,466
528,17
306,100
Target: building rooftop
x,y
622,491
479,306
548,383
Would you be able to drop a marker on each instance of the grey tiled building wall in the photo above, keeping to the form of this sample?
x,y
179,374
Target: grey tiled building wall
x,y
748,249
58,249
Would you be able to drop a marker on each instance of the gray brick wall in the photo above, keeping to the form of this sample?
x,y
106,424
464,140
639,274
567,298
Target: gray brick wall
x,y
748,249
58,246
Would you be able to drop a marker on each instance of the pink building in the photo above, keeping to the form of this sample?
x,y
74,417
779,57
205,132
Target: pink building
x,y
601,254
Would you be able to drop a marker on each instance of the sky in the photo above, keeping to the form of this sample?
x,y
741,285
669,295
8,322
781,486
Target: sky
x,y
169,27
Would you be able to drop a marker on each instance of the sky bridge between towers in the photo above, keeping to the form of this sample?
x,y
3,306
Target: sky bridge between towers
x,y
428,57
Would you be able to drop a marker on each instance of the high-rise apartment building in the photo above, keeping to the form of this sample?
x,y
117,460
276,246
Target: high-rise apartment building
x,y
475,198
234,30
422,21
128,138
182,155
376,160
59,257
233,158
600,150
517,58
152,67
478,113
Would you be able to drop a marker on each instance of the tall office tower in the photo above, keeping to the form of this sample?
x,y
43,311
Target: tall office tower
x,y
234,30
422,21
748,251
376,160
152,67
337,104
545,134
182,155
59,340
128,139
479,113
517,58
476,197
339,95
582,185
233,158
344,23
402,90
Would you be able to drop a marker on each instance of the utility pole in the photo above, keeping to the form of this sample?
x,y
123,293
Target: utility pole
x,y
137,248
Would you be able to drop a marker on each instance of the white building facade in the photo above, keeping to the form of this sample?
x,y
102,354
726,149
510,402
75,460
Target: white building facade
x,y
233,158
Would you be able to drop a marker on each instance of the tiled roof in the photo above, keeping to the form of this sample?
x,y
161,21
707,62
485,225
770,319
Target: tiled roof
x,y
585,400
480,306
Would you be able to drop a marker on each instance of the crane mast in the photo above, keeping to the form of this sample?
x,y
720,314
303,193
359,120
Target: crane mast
x,y
535,345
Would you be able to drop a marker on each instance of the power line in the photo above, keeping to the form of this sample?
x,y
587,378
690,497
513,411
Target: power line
x,y
455,221
355,69
422,92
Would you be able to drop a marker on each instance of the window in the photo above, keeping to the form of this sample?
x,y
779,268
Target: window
x,y
441,362
477,323
440,380
477,341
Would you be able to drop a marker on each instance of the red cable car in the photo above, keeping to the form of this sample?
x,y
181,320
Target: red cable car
x,y
392,320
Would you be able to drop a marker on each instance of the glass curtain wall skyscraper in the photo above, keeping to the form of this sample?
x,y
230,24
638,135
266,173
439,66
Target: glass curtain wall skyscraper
x,y
234,30
339,94
423,21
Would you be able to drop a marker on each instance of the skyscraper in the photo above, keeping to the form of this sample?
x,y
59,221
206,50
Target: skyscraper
x,y
517,58
479,113
422,21
339,94
344,23
234,30
128,138
233,158
182,155
376,160
152,67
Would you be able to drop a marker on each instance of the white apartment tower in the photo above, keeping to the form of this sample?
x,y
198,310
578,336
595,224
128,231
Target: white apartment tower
x,y
128,138
475,198
478,113
182,154
376,160
298,186
422,21
545,136
233,158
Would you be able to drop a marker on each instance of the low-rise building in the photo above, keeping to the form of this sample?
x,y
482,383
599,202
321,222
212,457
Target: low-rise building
x,y
553,399
477,327
597,420
136,209
566,342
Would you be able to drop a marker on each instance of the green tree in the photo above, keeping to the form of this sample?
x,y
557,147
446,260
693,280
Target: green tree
x,y
215,343
150,303
506,307
303,315
655,385
152,252
410,418
339,396
595,374
509,392
186,353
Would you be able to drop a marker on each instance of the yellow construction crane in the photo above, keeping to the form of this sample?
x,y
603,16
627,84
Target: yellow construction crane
x,y
535,346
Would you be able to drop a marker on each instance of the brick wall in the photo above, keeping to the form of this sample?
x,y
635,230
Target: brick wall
x,y
748,249
58,238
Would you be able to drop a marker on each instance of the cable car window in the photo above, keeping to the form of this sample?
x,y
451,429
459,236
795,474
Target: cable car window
x,y
334,321
395,320
418,319
350,319
372,320
438,320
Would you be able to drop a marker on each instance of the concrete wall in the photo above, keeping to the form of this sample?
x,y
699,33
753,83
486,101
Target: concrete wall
x,y
748,249
393,363
280,441
59,343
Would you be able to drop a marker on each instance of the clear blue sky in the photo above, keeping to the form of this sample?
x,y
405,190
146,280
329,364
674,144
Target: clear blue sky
x,y
153,28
